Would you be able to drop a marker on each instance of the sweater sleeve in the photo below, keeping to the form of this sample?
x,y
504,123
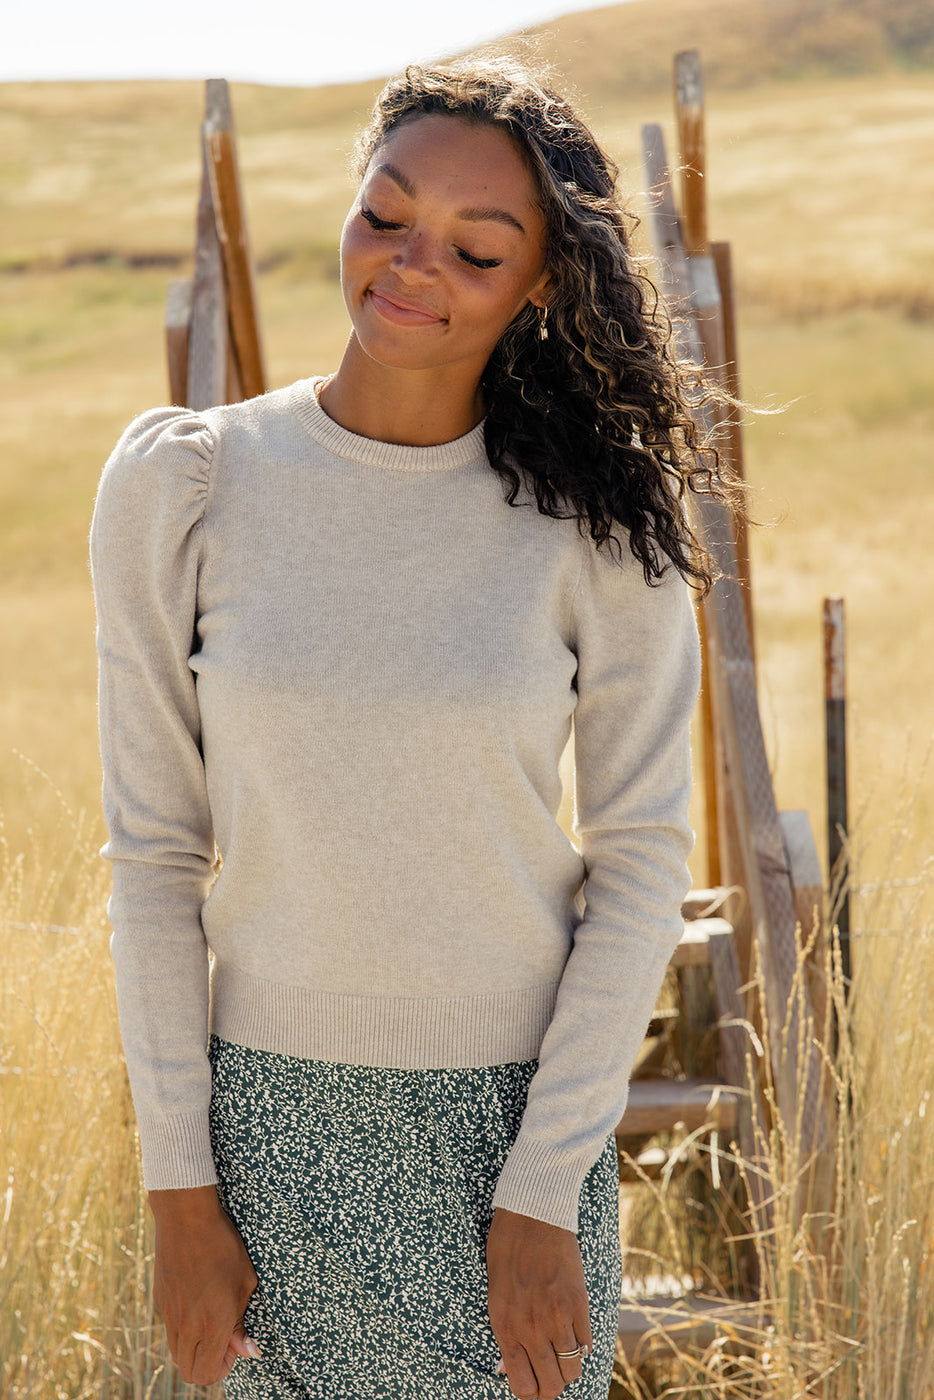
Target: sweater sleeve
x,y
146,539
637,680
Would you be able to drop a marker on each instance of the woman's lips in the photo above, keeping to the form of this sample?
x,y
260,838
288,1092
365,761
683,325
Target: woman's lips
x,y
403,313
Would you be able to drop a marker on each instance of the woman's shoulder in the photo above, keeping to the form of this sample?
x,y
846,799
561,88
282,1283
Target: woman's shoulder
x,y
161,448
177,450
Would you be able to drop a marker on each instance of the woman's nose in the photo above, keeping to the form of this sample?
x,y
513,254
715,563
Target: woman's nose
x,y
416,259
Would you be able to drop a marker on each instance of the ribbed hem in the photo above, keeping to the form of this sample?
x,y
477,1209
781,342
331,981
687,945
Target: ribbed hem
x,y
388,1032
539,1181
445,457
177,1153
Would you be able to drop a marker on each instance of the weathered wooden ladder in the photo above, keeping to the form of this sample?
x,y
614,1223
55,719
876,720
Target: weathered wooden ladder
x,y
766,891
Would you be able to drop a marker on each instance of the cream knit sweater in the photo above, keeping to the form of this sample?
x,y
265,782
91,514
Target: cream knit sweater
x,y
351,668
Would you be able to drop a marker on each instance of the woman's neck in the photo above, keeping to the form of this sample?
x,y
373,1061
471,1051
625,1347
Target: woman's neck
x,y
413,408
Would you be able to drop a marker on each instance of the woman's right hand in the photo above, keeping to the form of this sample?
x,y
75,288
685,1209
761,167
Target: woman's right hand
x,y
202,1283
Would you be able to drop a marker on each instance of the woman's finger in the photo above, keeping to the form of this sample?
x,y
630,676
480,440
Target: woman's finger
x,y
549,1381
570,1359
518,1372
241,1344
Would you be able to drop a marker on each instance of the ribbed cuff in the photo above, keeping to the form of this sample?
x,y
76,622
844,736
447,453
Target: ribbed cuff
x,y
540,1181
177,1153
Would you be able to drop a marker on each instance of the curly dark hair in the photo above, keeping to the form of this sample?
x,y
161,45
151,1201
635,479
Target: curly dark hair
x,y
596,419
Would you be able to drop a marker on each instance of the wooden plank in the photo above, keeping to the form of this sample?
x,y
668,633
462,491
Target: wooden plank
x,y
233,383
732,429
668,247
762,867
689,114
687,1323
705,285
660,1105
207,353
707,903
177,332
807,878
651,1162
230,217
694,948
835,732
705,305
710,758
663,1018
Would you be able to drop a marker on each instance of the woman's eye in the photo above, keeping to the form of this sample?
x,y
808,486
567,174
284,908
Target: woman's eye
x,y
387,226
375,222
478,262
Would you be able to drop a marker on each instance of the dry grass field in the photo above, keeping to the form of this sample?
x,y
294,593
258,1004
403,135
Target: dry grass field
x,y
821,178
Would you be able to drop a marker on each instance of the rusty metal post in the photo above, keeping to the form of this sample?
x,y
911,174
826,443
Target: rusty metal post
x,y
835,726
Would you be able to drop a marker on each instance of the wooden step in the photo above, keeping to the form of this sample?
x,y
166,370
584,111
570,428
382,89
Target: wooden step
x,y
688,1323
664,1019
659,1105
694,948
706,904
649,1163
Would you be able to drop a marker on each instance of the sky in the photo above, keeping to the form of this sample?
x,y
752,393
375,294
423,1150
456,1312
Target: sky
x,y
303,42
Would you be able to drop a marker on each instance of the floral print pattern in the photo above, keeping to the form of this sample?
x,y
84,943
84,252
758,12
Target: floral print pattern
x,y
364,1198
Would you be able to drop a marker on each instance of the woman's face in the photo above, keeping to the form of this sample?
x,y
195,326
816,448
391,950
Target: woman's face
x,y
443,246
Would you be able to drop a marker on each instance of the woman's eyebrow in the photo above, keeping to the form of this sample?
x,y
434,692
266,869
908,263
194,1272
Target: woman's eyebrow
x,y
479,215
499,216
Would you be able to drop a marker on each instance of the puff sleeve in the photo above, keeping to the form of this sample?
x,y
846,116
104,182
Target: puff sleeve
x,y
146,546
637,681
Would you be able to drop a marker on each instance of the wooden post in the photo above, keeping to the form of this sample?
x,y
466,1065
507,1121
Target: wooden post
x,y
764,866
708,299
230,219
689,107
668,246
710,265
706,302
835,725
207,351
177,335
733,434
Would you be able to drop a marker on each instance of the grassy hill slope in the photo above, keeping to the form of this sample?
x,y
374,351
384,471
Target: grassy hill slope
x,y
627,48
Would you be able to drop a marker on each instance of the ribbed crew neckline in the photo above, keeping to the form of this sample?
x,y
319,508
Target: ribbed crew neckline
x,y
444,457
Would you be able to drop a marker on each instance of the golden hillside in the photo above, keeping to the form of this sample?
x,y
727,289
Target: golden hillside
x,y
627,48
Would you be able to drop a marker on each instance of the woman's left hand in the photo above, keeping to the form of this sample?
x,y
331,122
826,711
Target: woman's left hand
x,y
537,1302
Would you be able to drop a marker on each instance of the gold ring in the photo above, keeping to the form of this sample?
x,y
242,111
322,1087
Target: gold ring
x,y
578,1354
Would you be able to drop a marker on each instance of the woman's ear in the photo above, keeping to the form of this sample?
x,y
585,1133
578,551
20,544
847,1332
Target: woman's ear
x,y
540,295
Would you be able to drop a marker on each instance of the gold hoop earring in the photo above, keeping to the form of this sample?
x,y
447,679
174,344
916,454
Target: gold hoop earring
x,y
543,323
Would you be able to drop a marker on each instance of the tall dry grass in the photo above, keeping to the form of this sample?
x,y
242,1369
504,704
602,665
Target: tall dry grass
x,y
847,1279
76,1318
846,1267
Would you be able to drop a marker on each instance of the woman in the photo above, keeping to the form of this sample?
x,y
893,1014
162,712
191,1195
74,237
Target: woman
x,y
344,631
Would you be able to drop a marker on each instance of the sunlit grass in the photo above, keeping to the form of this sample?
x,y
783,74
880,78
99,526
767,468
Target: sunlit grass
x,y
76,1317
846,1303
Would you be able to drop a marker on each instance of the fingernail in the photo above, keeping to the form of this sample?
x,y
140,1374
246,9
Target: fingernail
x,y
501,1367
251,1349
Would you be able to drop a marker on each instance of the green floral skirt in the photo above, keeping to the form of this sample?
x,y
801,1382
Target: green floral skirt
x,y
364,1198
